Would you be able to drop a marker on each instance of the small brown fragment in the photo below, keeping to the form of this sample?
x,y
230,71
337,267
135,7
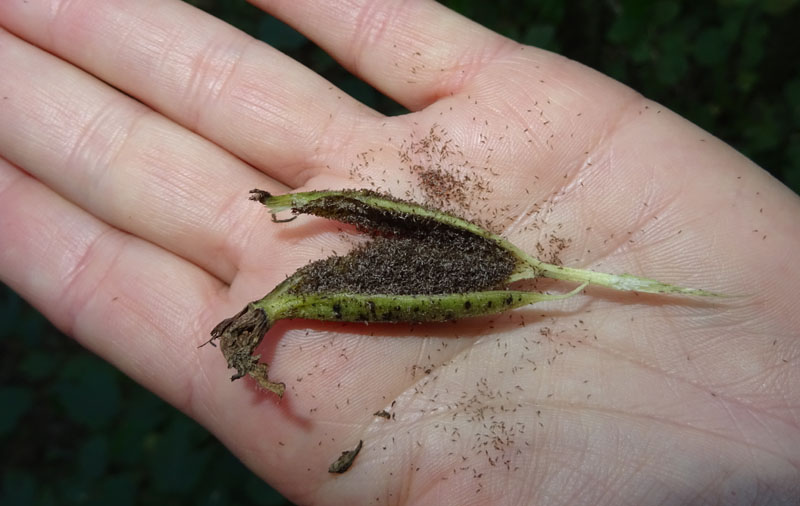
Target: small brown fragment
x,y
383,414
344,462
238,338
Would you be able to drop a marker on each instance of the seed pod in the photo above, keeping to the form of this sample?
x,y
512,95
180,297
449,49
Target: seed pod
x,y
358,307
423,265
380,214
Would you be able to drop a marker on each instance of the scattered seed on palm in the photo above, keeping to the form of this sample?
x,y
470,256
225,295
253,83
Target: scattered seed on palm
x,y
422,265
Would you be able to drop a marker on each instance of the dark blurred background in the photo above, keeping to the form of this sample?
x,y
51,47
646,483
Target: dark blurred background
x,y
74,431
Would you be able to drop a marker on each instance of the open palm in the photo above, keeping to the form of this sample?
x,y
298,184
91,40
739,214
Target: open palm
x,y
131,132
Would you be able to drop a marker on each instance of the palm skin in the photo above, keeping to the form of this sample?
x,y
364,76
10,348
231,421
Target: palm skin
x,y
128,226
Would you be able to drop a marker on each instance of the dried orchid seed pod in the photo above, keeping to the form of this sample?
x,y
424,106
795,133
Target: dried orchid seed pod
x,y
422,265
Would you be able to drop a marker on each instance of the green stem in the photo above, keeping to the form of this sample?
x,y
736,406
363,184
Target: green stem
x,y
534,268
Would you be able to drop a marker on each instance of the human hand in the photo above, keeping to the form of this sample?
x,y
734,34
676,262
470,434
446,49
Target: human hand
x,y
128,226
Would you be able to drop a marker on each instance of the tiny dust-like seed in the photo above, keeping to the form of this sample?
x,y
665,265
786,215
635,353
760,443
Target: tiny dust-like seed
x,y
383,414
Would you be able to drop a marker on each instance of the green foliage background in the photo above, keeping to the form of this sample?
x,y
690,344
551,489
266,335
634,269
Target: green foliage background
x,y
74,431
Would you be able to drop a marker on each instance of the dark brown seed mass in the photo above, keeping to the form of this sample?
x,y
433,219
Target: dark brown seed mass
x,y
443,261
368,218
409,254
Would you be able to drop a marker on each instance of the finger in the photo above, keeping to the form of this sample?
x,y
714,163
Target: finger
x,y
125,164
134,304
123,298
259,104
414,52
